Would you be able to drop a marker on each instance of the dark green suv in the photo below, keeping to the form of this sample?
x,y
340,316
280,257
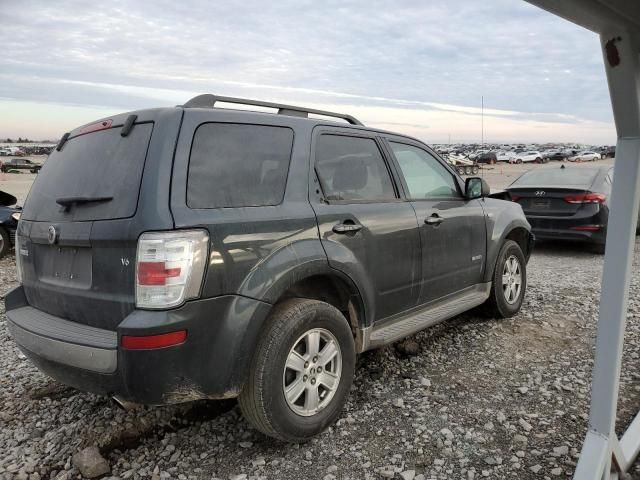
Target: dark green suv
x,y
193,252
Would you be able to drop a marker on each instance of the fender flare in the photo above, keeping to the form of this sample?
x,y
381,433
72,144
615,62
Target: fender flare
x,y
295,262
497,238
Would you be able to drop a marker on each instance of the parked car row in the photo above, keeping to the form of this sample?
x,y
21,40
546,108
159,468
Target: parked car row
x,y
24,150
526,153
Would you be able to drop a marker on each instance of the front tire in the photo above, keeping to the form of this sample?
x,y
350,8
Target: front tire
x,y
519,161
301,371
509,282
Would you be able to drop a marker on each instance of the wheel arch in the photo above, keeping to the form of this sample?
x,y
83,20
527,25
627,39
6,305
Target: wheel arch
x,y
335,288
502,229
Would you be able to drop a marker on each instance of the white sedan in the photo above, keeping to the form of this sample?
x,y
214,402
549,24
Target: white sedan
x,y
528,156
504,156
585,157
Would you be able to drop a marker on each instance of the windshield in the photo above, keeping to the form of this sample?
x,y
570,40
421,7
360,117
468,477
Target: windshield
x,y
557,177
95,165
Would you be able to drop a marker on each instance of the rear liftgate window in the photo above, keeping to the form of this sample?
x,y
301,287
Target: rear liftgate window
x,y
235,165
99,165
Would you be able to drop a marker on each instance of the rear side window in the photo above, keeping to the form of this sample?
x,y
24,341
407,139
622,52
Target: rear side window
x,y
237,165
352,169
101,164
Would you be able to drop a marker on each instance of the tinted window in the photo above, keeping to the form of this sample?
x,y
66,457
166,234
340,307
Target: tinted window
x,y
426,177
352,168
98,164
557,177
235,165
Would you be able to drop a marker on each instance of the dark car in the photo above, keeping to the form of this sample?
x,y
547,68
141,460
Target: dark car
x,y
19,164
569,203
558,156
487,157
9,216
193,252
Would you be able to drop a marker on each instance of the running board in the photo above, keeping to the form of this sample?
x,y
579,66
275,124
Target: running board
x,y
418,319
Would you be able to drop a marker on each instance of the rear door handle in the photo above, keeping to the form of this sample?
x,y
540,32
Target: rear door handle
x,y
347,228
434,219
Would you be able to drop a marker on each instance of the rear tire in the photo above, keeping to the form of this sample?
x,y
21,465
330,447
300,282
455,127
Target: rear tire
x,y
5,242
501,303
519,161
286,341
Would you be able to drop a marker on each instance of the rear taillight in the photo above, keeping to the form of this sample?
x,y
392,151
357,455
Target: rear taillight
x,y
514,198
19,253
170,267
586,198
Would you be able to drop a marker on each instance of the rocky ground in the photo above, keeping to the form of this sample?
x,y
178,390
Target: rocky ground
x,y
471,398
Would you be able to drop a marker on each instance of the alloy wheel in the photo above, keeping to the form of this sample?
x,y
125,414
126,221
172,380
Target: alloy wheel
x,y
511,280
312,372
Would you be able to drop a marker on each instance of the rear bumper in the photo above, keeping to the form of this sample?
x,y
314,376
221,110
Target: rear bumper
x,y
568,228
212,363
571,235
63,341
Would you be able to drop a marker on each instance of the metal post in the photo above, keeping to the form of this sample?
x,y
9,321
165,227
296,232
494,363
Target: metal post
x,y
601,449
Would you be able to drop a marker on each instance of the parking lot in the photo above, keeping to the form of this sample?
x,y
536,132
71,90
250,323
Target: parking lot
x,y
469,398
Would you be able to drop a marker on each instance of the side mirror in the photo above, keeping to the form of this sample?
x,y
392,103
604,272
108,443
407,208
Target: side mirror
x,y
476,187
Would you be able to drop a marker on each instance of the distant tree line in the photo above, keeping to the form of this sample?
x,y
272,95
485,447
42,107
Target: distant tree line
x,y
19,140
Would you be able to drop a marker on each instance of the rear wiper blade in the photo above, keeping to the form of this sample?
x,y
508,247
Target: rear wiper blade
x,y
66,202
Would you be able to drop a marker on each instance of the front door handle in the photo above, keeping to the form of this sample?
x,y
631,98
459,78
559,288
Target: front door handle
x,y
347,228
434,219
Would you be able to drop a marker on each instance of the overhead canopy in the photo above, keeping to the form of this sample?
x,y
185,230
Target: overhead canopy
x,y
596,15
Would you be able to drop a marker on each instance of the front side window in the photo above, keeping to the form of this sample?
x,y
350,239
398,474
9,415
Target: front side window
x,y
352,169
426,177
237,165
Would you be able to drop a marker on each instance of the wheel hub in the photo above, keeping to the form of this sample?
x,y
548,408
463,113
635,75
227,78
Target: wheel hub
x,y
312,372
512,280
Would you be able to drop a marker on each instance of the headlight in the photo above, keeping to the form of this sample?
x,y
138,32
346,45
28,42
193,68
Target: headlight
x,y
16,216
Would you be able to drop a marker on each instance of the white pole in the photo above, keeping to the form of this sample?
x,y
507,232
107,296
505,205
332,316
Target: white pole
x,y
623,74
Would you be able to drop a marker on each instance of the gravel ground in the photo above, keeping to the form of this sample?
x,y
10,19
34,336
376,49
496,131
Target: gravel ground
x,y
470,398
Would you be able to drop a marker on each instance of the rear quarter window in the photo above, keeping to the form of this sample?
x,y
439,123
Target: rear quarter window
x,y
238,165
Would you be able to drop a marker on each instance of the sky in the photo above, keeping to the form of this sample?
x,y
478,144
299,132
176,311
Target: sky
x,y
417,67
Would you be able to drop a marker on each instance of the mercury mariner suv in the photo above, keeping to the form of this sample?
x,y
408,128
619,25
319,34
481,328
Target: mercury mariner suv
x,y
194,252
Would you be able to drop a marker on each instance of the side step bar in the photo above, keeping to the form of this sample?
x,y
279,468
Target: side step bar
x,y
408,323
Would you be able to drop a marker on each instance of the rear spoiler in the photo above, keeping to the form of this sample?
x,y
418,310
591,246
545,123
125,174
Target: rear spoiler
x,y
6,199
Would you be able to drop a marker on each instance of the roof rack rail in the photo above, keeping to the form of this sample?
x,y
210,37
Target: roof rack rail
x,y
208,100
